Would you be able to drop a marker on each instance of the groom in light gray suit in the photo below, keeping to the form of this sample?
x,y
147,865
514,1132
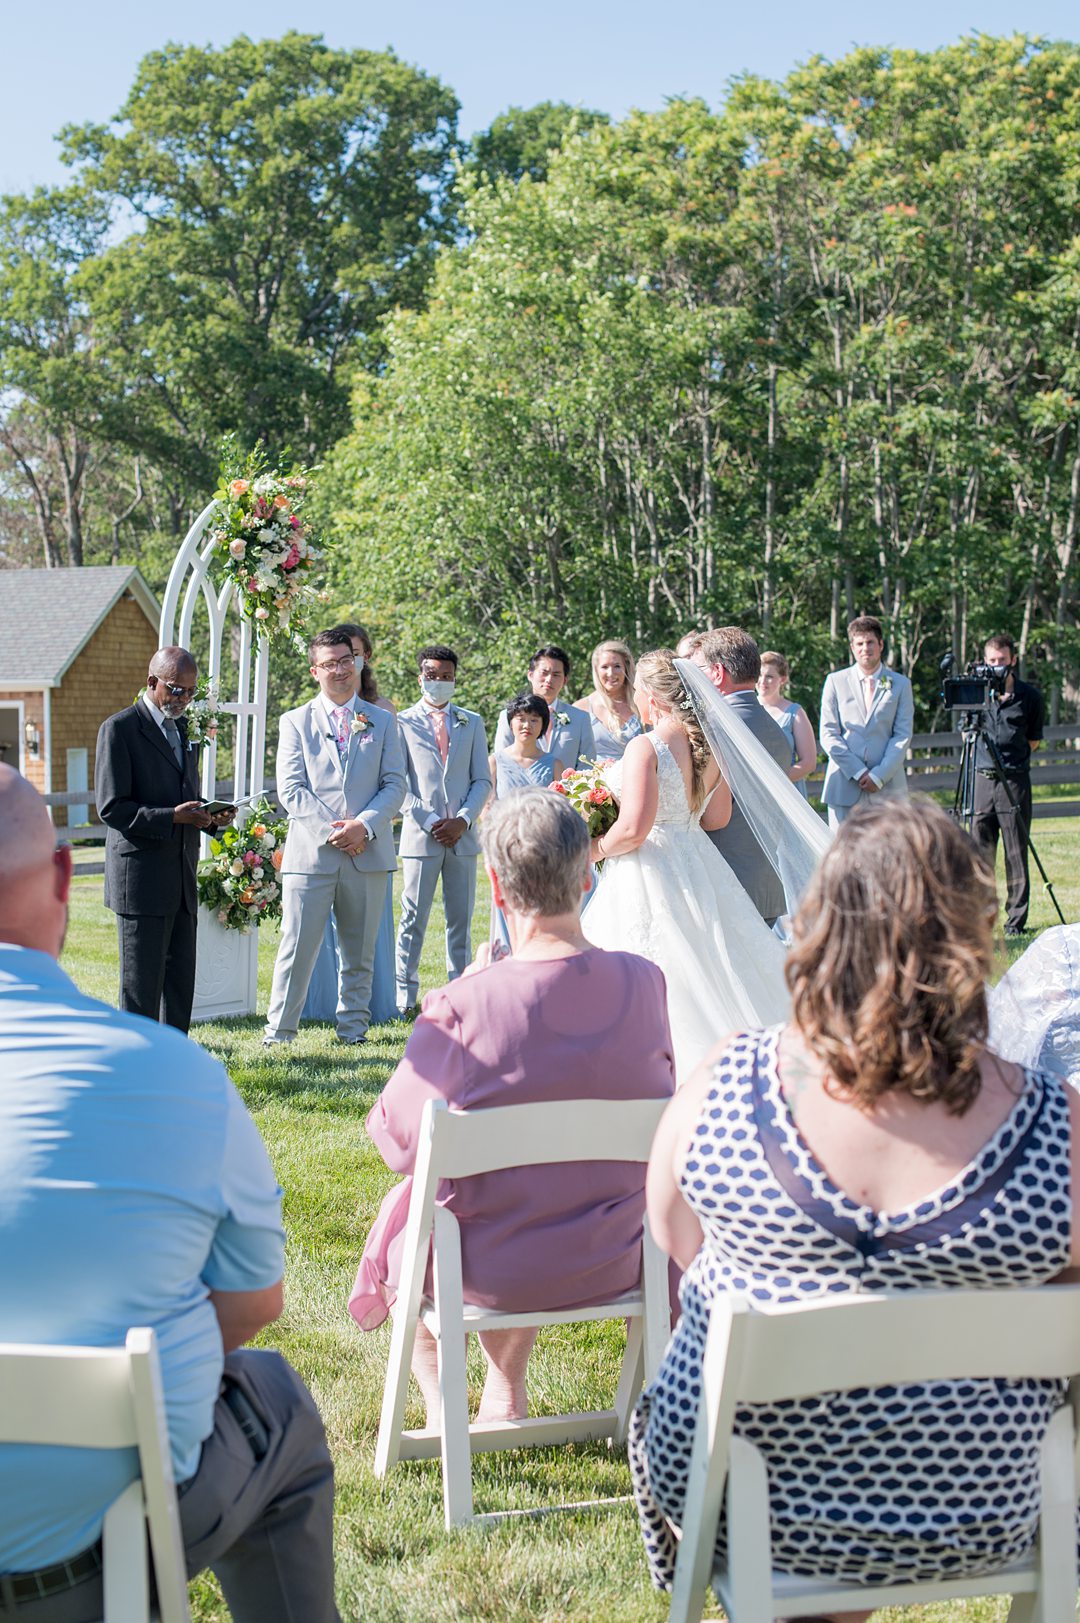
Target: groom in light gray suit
x,y
732,662
449,782
570,736
867,718
341,778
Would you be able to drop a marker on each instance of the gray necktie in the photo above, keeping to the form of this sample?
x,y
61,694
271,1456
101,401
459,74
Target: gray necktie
x,y
172,733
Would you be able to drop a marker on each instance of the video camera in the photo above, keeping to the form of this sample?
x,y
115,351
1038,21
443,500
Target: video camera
x,y
972,690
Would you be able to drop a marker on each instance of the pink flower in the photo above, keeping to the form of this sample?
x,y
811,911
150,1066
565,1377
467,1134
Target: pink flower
x,y
295,522
292,558
250,859
253,585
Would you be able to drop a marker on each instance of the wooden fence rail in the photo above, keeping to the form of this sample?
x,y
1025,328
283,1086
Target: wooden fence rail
x,y
933,767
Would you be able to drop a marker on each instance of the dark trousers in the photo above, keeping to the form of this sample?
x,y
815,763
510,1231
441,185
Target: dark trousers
x,y
264,1527
994,813
157,965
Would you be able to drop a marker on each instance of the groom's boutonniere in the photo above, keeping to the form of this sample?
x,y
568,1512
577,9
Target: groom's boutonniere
x,y
359,725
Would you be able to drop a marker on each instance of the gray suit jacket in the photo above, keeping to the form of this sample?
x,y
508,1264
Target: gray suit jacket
x,y
571,740
856,742
315,791
462,785
736,843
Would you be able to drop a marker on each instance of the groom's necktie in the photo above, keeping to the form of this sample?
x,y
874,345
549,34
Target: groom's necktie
x,y
172,733
340,718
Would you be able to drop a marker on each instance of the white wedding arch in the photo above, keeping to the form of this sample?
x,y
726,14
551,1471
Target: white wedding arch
x,y
226,971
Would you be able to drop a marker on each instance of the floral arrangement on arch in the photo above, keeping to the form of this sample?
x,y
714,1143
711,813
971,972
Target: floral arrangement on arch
x,y
585,789
203,716
261,543
239,881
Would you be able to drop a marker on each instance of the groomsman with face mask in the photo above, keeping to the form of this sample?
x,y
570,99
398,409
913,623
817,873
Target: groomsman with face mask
x,y
449,782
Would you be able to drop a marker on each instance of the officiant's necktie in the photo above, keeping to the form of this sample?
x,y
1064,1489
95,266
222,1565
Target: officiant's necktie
x,y
172,733
341,731
438,721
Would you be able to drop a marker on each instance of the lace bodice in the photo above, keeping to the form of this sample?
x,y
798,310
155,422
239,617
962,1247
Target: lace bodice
x,y
672,810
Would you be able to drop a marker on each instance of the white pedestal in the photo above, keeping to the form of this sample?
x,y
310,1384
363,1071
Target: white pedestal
x,y
226,970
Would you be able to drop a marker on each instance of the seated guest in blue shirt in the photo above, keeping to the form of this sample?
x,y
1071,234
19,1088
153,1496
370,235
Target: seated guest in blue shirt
x,y
136,1191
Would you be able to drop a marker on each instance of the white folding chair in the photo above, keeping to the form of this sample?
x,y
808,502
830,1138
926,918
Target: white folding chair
x,y
108,1397
458,1144
783,1352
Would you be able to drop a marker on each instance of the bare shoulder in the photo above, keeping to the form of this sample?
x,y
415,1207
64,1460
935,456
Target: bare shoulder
x,y
583,704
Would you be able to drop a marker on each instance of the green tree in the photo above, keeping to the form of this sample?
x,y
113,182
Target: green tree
x,y
520,141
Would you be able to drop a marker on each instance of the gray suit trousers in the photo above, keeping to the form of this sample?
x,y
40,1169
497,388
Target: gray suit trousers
x,y
306,901
264,1526
420,876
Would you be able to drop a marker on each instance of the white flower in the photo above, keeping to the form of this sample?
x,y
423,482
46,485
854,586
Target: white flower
x,y
266,536
237,548
264,483
360,723
262,614
222,917
236,867
281,515
562,718
256,873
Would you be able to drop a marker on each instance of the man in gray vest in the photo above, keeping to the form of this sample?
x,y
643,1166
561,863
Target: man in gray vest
x,y
731,661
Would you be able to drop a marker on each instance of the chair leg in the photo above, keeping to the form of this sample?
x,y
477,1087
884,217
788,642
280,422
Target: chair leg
x,y
396,1390
631,1376
1056,1597
453,1381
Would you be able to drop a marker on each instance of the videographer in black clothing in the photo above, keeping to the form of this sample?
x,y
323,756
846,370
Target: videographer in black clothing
x,y
1014,720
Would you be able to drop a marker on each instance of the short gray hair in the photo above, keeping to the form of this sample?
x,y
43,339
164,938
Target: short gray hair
x,y
735,650
538,847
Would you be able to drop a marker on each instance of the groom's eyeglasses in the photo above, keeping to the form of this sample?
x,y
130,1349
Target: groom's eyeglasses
x,y
337,664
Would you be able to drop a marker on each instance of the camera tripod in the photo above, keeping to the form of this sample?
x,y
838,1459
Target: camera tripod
x,y
972,731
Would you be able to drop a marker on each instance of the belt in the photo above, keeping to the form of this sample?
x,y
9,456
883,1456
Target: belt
x,y
17,1587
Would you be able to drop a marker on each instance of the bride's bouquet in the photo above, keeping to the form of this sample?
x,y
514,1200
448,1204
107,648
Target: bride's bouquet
x,y
585,789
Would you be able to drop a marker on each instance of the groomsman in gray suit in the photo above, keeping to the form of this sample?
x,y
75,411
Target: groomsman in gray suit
x,y
731,661
570,736
446,758
341,778
867,718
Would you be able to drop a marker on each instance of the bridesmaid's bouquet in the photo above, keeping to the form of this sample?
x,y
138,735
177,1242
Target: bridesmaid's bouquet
x,y
585,789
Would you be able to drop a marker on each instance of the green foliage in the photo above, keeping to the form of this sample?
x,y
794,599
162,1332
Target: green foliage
x,y
809,356
520,141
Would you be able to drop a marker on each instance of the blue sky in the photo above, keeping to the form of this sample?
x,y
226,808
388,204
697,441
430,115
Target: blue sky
x,y
70,61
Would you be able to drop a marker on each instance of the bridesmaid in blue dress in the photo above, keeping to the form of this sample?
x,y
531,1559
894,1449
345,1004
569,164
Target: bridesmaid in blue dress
x,y
615,720
322,997
791,718
522,765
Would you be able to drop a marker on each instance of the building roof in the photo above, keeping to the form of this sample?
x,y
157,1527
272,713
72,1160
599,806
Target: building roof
x,y
47,616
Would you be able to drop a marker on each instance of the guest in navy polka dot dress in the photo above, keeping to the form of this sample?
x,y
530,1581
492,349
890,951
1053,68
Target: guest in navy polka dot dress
x,y
873,1144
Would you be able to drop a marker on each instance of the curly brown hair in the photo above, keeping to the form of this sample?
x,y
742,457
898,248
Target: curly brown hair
x,y
893,946
657,671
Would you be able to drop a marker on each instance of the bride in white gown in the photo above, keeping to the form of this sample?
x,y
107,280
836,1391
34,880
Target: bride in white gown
x,y
666,892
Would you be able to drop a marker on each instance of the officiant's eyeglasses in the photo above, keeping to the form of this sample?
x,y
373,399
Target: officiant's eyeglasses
x,y
337,664
177,693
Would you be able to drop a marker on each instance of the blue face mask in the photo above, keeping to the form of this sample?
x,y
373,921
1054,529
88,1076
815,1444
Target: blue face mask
x,y
359,663
436,692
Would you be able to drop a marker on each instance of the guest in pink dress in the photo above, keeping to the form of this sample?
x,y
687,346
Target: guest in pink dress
x,y
557,1020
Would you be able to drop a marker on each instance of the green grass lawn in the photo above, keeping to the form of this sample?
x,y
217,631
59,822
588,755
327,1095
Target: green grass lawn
x,y
395,1562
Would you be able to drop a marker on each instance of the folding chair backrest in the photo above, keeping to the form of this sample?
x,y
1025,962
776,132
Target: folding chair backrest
x,y
467,1143
107,1397
800,1349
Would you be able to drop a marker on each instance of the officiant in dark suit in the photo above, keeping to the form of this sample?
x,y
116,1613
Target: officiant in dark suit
x,y
146,783
731,660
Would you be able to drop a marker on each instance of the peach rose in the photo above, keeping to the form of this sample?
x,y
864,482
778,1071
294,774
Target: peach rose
x,y
278,857
238,487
